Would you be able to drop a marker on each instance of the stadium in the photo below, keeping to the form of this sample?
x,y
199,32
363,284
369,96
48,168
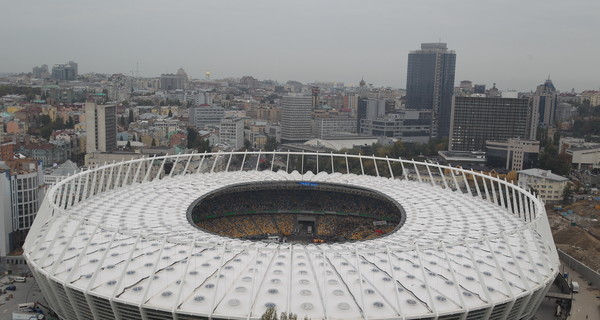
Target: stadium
x,y
324,236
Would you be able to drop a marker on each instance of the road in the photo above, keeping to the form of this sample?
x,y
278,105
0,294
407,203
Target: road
x,y
26,292
586,304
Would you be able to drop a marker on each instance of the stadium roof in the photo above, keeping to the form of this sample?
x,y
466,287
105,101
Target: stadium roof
x,y
134,246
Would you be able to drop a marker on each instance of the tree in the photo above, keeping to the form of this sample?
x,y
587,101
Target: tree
x,y
170,115
153,143
192,136
128,145
567,194
70,123
122,121
270,314
247,145
204,145
271,144
130,115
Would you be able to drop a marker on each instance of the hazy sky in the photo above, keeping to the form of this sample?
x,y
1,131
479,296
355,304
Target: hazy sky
x,y
515,43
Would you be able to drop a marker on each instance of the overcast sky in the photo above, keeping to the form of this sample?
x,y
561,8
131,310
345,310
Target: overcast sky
x,y
514,43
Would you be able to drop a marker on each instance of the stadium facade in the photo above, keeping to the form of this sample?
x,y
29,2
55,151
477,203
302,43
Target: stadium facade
x,y
115,242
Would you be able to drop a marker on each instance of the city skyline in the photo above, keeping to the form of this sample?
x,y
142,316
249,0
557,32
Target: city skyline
x,y
501,43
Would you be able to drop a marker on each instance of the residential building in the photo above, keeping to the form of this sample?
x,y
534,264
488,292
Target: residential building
x,y
206,115
101,127
476,120
65,72
547,185
7,150
296,118
21,193
430,83
57,151
512,154
169,82
231,132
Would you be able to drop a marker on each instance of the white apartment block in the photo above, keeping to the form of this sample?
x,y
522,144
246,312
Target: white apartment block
x,y
548,185
231,132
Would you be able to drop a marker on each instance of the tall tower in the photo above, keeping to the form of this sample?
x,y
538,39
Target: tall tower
x,y
296,118
544,104
430,84
101,127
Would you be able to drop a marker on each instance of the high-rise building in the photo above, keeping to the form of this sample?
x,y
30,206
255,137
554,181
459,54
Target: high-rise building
x,y
430,84
21,194
478,119
544,104
177,81
296,118
66,71
101,127
231,132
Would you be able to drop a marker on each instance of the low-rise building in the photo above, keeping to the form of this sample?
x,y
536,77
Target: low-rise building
x,y
512,154
547,185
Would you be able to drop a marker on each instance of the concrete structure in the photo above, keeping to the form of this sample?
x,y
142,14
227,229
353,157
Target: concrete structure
x,y
330,124
465,159
67,72
369,109
231,132
169,82
206,115
296,118
478,119
101,127
585,157
512,154
21,194
114,252
548,186
55,174
430,83
408,125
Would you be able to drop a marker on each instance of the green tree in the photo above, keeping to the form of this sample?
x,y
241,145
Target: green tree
x,y
192,137
130,115
271,144
153,143
567,194
270,314
70,123
247,145
204,145
122,121
170,115
128,145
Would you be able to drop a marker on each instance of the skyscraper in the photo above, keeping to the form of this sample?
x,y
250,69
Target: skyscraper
x,y
544,105
296,118
101,127
430,84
